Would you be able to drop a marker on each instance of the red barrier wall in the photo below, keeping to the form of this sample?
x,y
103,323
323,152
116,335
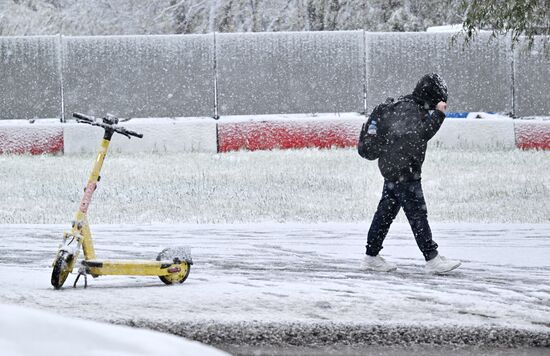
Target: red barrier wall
x,y
256,135
33,140
533,134
267,135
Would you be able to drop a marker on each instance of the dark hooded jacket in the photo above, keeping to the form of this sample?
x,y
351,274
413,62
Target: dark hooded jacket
x,y
406,126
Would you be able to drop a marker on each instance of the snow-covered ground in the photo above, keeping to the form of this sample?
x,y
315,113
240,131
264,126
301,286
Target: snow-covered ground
x,y
489,186
30,332
277,238
253,277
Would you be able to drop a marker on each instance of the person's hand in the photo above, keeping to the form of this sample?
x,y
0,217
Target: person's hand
x,y
441,106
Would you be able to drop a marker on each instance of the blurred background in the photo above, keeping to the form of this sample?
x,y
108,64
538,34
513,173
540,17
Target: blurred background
x,y
125,17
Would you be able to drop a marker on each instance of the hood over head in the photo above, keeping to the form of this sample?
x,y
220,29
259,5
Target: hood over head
x,y
432,89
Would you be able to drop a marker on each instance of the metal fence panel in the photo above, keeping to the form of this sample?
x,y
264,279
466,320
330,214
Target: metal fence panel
x,y
479,76
139,76
532,78
261,73
29,77
290,72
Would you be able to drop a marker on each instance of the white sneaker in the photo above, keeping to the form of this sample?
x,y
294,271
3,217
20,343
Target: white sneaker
x,y
441,265
377,263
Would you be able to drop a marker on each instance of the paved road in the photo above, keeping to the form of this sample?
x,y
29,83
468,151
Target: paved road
x,y
286,284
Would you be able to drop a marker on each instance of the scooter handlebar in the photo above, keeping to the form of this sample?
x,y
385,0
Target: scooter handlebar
x,y
82,117
128,133
109,123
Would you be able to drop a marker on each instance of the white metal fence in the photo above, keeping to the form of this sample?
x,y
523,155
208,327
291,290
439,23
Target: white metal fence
x,y
261,73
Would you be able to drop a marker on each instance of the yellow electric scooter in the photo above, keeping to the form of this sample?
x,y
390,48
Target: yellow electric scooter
x,y
171,266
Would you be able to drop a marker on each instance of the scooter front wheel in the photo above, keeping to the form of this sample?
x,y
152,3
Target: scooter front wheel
x,y
62,267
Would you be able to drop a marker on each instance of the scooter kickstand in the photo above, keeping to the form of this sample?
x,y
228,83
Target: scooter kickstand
x,y
81,272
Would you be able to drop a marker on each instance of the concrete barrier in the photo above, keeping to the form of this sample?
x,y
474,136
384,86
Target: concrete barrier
x,y
30,77
159,135
290,72
139,76
209,135
326,133
475,133
533,134
288,134
22,137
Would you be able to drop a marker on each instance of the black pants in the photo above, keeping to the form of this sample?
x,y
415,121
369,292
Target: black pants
x,y
408,195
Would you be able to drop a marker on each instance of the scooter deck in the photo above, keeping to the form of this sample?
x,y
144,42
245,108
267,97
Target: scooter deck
x,y
131,267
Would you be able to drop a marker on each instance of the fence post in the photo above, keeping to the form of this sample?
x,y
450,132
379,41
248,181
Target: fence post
x,y
60,69
365,71
513,73
216,114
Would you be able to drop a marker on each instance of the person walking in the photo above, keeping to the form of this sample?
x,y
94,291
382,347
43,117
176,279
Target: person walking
x,y
402,130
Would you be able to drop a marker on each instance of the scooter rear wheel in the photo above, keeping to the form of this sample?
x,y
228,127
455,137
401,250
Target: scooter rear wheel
x,y
61,269
177,277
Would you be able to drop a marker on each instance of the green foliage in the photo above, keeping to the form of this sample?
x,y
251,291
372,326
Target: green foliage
x,y
517,18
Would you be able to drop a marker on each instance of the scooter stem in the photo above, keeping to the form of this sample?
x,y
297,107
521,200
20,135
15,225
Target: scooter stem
x,y
81,226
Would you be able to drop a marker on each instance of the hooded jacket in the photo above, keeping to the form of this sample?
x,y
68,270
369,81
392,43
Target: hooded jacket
x,y
406,126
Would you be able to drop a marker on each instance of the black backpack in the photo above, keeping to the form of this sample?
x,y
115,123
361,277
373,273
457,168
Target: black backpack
x,y
370,146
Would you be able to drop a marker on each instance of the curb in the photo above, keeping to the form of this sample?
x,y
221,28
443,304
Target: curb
x,y
322,334
208,135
